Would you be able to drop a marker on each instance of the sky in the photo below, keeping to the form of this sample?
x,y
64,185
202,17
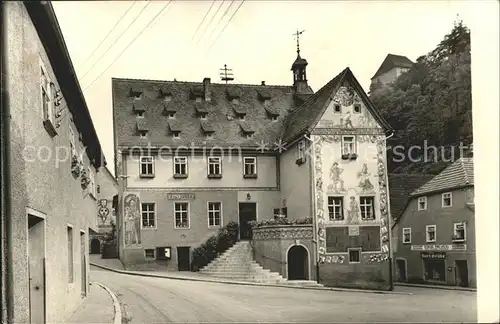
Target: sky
x,y
257,44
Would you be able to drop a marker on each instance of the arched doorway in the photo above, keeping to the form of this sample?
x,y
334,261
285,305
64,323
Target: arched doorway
x,y
298,263
95,246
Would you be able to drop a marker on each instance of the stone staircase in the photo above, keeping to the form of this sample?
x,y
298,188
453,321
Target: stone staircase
x,y
237,264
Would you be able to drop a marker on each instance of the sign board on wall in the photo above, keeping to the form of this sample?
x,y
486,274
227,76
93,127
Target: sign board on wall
x,y
439,247
353,230
433,255
180,196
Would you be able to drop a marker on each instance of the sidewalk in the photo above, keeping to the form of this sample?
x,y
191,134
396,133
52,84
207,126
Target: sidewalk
x,y
97,307
404,284
196,276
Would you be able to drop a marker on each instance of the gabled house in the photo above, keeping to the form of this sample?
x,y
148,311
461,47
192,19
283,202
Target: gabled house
x,y
435,233
54,157
390,69
243,153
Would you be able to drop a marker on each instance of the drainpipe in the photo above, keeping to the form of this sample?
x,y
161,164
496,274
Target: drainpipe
x,y
312,184
389,225
6,310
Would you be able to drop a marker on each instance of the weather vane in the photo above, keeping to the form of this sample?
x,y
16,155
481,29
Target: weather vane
x,y
297,36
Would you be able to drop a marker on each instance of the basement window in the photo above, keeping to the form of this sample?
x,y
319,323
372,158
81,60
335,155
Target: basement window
x,y
354,255
149,253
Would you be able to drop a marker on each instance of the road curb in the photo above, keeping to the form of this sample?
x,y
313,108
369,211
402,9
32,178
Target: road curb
x,y
165,276
118,310
435,287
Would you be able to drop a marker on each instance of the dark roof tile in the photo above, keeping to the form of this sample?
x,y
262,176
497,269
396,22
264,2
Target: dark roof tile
x,y
459,174
391,61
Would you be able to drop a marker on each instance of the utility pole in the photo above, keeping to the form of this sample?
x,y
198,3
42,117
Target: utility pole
x,y
226,74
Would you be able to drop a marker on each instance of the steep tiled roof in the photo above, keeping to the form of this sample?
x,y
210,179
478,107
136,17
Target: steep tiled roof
x,y
459,174
400,187
221,115
305,117
270,112
391,61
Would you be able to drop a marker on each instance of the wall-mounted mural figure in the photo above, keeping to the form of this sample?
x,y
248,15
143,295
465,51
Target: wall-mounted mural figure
x,y
364,179
353,212
346,120
337,181
132,219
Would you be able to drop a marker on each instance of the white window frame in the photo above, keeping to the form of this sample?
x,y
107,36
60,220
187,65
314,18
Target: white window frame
x,y
455,226
406,230
367,207
427,239
181,211
210,213
213,164
334,206
181,160
45,86
443,195
421,200
346,142
143,162
148,213
245,163
301,148
349,254
146,255
72,141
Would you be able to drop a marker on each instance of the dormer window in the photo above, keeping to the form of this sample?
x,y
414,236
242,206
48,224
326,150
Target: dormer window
x,y
176,135
143,134
165,95
175,128
140,114
241,117
142,128
136,94
235,100
209,136
167,98
274,118
203,116
248,136
171,114
207,129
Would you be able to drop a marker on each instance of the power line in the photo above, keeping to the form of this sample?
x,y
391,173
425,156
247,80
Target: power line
x,y
106,37
206,27
218,23
114,42
201,23
227,24
128,45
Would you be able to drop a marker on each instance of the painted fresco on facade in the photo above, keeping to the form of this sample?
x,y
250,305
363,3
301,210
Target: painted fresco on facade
x,y
132,219
104,212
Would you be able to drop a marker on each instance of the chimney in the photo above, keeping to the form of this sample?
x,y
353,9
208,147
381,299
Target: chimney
x,y
206,89
263,83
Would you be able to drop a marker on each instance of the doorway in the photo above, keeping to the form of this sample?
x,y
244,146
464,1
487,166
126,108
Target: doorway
x,y
297,263
183,258
83,264
401,266
247,212
462,273
36,268
95,246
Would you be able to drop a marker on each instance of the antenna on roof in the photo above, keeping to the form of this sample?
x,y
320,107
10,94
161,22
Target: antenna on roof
x,y
226,74
297,36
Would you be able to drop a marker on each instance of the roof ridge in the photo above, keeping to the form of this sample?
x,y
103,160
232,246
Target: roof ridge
x,y
201,82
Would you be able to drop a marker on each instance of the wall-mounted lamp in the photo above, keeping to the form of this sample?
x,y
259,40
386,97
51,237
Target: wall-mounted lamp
x,y
249,196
